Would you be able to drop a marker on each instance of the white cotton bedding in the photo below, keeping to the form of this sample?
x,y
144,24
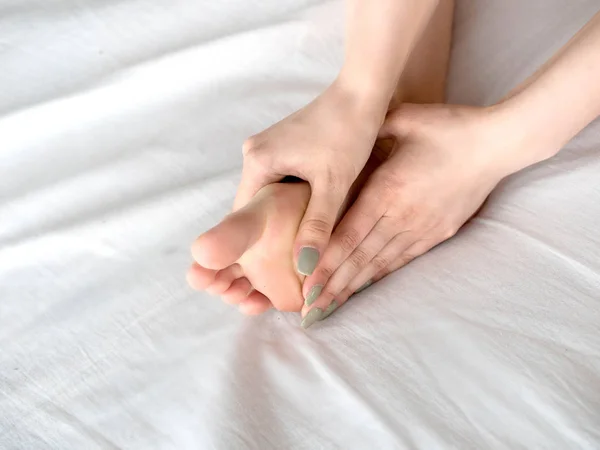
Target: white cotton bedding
x,y
121,123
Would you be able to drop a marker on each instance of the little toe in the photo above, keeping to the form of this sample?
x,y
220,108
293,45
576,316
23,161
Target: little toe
x,y
224,278
237,292
199,278
254,304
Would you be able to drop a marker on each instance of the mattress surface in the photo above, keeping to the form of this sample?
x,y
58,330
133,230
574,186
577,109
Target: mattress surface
x,y
121,124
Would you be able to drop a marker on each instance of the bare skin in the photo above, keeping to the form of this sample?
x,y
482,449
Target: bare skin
x,y
246,258
453,154
381,38
449,160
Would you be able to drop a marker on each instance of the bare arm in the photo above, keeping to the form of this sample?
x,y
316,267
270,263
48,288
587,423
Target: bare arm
x,y
380,36
448,161
559,100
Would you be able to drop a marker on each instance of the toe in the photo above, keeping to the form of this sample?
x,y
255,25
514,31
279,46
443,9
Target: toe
x,y
224,278
199,278
237,292
256,303
224,244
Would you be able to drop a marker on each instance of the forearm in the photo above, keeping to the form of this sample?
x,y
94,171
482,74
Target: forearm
x,y
559,100
380,36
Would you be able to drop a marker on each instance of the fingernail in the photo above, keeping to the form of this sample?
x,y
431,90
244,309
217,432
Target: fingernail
x,y
307,260
313,294
330,310
364,286
314,315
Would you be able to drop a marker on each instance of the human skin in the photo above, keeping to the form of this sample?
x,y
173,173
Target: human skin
x,y
447,160
247,259
328,142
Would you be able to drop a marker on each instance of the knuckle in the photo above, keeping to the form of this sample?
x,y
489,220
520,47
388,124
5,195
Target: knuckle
x,y
349,240
381,275
359,259
317,226
344,295
406,258
449,232
250,145
325,273
257,160
328,293
380,263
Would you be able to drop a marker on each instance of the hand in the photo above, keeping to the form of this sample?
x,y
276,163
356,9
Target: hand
x,y
327,143
446,161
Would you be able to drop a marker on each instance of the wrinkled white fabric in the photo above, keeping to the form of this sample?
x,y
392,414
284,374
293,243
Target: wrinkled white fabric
x,y
121,124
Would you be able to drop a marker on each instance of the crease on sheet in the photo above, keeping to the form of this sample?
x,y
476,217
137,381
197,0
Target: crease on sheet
x,y
69,383
326,365
108,78
441,423
582,268
46,407
546,344
130,204
532,398
295,84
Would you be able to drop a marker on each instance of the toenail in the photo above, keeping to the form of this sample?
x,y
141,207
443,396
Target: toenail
x,y
364,286
307,260
330,310
314,315
313,294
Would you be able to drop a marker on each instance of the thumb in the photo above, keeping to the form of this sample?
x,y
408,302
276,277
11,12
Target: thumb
x,y
316,227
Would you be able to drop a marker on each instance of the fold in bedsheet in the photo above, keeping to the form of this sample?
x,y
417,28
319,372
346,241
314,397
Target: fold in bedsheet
x,y
120,129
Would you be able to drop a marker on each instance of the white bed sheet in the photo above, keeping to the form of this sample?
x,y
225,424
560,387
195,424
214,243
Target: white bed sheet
x,y
120,130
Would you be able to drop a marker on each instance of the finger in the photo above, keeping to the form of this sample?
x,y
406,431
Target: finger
x,y
255,176
375,241
255,303
410,254
389,255
352,230
316,226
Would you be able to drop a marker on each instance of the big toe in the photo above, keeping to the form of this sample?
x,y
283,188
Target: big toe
x,y
224,244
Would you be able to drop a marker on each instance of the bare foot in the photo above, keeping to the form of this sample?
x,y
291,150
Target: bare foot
x,y
247,258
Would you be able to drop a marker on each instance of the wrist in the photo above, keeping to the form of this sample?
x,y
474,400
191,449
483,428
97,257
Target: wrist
x,y
522,139
363,93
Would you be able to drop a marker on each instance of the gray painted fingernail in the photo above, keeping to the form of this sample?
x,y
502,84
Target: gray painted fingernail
x,y
314,315
364,286
313,294
330,310
307,260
